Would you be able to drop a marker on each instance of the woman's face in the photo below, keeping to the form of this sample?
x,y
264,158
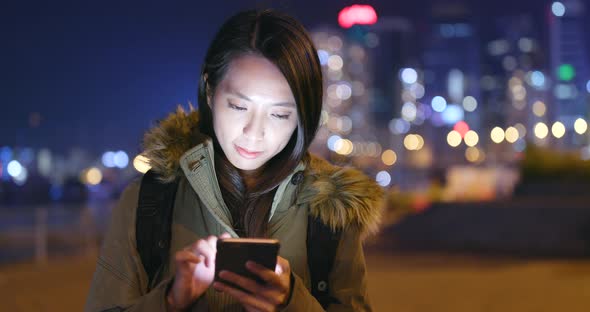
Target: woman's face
x,y
254,112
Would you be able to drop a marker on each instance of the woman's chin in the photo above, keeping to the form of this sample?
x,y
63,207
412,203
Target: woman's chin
x,y
246,165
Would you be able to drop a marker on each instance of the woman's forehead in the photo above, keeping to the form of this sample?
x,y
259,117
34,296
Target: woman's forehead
x,y
251,76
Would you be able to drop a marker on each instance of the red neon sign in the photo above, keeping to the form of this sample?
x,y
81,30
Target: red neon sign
x,y
361,14
462,127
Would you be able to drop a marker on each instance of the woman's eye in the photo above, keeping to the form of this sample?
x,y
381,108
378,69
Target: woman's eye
x,y
279,116
239,108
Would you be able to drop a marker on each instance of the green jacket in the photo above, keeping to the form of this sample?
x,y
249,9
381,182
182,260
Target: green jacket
x,y
343,198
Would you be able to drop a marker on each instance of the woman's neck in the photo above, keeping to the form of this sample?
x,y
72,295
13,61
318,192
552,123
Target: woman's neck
x,y
250,177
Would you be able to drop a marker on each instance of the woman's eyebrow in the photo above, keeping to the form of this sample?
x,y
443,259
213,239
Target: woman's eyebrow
x,y
240,95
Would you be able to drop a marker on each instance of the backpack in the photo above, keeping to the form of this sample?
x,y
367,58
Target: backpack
x,y
154,224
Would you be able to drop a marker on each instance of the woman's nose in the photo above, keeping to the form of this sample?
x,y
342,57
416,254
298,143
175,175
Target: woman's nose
x,y
254,129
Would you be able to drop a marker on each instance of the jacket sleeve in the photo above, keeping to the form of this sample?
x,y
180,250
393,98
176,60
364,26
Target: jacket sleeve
x,y
348,281
120,282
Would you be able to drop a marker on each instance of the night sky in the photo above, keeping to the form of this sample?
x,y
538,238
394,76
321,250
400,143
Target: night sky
x,y
100,72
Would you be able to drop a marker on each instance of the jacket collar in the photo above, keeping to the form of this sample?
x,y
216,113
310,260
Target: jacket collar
x,y
198,166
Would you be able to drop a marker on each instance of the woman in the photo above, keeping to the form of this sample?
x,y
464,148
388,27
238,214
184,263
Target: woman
x,y
243,170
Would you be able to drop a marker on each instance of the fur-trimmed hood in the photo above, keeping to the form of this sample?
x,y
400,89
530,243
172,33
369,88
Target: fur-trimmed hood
x,y
342,197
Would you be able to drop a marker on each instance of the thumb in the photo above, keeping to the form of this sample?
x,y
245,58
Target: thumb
x,y
282,265
279,269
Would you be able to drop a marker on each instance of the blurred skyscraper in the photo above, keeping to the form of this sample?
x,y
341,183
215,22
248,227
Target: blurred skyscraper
x,y
570,66
451,61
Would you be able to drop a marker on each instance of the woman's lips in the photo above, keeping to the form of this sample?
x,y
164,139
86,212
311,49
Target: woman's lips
x,y
246,153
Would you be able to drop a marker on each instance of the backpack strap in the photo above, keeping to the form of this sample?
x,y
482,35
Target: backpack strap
x,y
322,243
153,226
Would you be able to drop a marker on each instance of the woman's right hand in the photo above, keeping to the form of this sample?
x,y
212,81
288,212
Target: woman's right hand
x,y
195,270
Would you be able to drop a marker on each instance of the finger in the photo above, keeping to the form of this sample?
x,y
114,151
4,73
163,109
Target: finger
x,y
244,282
202,247
225,235
249,308
212,240
270,293
282,266
185,256
278,269
244,298
266,274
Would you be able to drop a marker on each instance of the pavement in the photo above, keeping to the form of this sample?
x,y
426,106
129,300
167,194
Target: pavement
x,y
407,282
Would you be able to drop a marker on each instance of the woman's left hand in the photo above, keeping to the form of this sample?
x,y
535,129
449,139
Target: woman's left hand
x,y
262,297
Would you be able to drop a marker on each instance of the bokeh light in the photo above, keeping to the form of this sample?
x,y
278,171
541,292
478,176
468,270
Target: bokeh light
x,y
121,160
383,178
472,154
519,92
558,9
343,147
511,134
469,104
343,91
452,114
580,126
14,168
541,130
497,135
409,111
413,142
335,62
454,138
539,108
521,130
558,129
93,176
420,141
538,79
389,157
417,90
566,72
332,142
323,55
439,104
141,163
22,176
108,159
409,75
471,138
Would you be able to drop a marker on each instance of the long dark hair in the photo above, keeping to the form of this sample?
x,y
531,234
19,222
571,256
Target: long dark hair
x,y
283,41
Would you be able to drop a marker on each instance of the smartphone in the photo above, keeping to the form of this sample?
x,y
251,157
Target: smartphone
x,y
233,253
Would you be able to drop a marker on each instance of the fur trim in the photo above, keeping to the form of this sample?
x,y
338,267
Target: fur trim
x,y
342,197
164,144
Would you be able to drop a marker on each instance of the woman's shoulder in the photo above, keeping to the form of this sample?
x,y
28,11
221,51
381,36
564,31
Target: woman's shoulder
x,y
342,197
126,205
